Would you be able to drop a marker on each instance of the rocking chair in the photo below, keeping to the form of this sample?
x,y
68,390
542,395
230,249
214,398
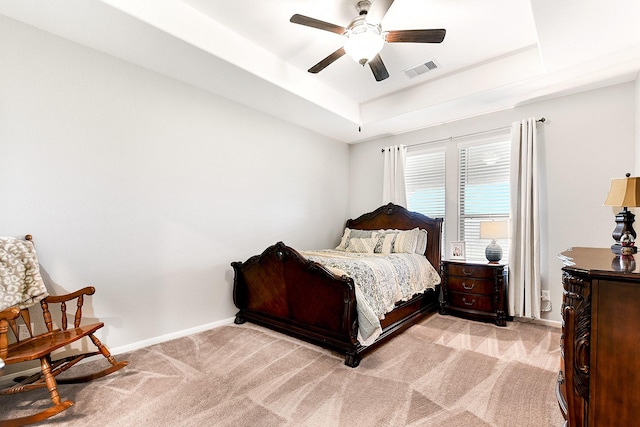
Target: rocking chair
x,y
41,346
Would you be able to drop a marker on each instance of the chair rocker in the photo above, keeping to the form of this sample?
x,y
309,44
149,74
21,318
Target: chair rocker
x,y
40,346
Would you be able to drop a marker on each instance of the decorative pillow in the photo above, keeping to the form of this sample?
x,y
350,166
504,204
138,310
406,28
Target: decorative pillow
x,y
421,246
344,241
350,234
363,245
386,240
406,241
400,241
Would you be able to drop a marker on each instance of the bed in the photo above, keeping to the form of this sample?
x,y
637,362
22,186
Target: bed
x,y
289,291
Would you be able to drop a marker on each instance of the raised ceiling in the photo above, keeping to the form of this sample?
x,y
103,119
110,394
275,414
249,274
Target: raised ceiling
x,y
496,54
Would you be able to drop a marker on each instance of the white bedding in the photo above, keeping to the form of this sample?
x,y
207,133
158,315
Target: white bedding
x,y
380,280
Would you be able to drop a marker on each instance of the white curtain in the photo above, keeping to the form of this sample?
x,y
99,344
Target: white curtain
x,y
393,189
524,255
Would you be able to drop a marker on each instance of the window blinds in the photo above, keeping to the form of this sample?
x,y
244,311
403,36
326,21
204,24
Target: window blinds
x,y
425,182
483,193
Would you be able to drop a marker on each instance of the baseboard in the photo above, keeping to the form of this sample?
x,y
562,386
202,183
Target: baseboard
x,y
545,322
168,337
7,379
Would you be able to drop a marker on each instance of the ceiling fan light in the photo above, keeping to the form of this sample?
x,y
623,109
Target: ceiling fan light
x,y
364,42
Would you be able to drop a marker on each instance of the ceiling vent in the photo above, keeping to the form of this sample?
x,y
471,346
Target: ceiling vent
x,y
420,69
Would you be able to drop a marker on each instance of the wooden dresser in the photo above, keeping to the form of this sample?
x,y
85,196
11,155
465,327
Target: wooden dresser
x,y
477,291
599,380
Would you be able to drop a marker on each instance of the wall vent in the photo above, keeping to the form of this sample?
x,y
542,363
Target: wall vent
x,y
421,69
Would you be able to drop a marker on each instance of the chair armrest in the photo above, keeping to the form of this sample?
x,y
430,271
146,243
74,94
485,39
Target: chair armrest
x,y
62,300
89,290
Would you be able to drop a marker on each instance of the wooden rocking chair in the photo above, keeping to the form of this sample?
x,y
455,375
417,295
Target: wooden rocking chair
x,y
40,346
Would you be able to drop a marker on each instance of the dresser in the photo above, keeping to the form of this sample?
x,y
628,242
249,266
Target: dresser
x,y
599,379
476,291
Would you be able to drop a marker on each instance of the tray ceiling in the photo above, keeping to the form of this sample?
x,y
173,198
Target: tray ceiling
x,y
496,54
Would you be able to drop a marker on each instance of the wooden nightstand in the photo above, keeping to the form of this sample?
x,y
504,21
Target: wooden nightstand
x,y
476,291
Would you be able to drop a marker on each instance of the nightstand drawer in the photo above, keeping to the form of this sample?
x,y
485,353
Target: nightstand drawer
x,y
472,301
472,285
470,270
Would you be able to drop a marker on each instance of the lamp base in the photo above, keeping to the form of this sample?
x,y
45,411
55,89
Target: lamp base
x,y
626,264
493,252
616,248
624,224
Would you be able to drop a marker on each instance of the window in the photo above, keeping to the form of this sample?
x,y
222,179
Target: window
x,y
425,183
483,193
464,180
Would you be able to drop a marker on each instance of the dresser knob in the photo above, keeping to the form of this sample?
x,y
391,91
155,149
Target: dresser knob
x,y
464,285
467,272
464,300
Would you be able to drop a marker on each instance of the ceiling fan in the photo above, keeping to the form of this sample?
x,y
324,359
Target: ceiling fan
x,y
365,37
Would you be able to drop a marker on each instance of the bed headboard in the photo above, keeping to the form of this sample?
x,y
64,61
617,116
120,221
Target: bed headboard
x,y
392,216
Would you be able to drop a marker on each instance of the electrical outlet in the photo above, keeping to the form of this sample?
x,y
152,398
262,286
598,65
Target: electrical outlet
x,y
545,297
23,332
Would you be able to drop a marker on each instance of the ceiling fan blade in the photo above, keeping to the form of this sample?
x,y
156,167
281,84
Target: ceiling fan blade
x,y
316,23
327,61
377,10
416,36
379,70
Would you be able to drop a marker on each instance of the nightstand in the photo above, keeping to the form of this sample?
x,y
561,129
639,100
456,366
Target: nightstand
x,y
477,291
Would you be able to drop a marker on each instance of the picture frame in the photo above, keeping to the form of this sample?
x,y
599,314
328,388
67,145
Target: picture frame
x,y
457,251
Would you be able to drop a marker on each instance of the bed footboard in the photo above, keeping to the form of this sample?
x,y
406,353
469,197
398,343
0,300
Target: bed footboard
x,y
284,291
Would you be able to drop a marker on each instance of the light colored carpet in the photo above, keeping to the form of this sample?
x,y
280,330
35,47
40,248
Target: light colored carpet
x,y
443,371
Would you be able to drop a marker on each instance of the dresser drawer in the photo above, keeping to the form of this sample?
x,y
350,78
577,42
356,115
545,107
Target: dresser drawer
x,y
471,285
472,301
470,270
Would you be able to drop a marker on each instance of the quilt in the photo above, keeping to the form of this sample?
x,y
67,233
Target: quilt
x,y
380,281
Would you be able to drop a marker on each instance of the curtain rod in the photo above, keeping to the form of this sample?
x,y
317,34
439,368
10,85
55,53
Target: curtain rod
x,y
451,138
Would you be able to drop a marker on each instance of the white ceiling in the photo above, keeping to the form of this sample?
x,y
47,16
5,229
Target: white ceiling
x,y
496,54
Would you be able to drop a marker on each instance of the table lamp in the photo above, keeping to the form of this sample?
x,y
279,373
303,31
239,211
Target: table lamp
x,y
494,230
624,193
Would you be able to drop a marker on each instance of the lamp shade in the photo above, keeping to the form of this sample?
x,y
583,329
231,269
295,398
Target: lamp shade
x,y
364,42
494,229
624,192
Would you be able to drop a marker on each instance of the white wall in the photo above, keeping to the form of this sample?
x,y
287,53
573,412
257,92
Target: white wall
x,y
148,188
637,121
588,139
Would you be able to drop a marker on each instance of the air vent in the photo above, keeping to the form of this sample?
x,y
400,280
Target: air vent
x,y
421,69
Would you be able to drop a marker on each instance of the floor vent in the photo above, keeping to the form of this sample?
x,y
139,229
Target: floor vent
x,y
421,69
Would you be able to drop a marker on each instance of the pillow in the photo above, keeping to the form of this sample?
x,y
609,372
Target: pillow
x,y
358,234
421,246
398,241
406,241
386,240
344,241
363,245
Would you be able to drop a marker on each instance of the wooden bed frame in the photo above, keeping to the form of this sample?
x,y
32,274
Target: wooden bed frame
x,y
285,292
